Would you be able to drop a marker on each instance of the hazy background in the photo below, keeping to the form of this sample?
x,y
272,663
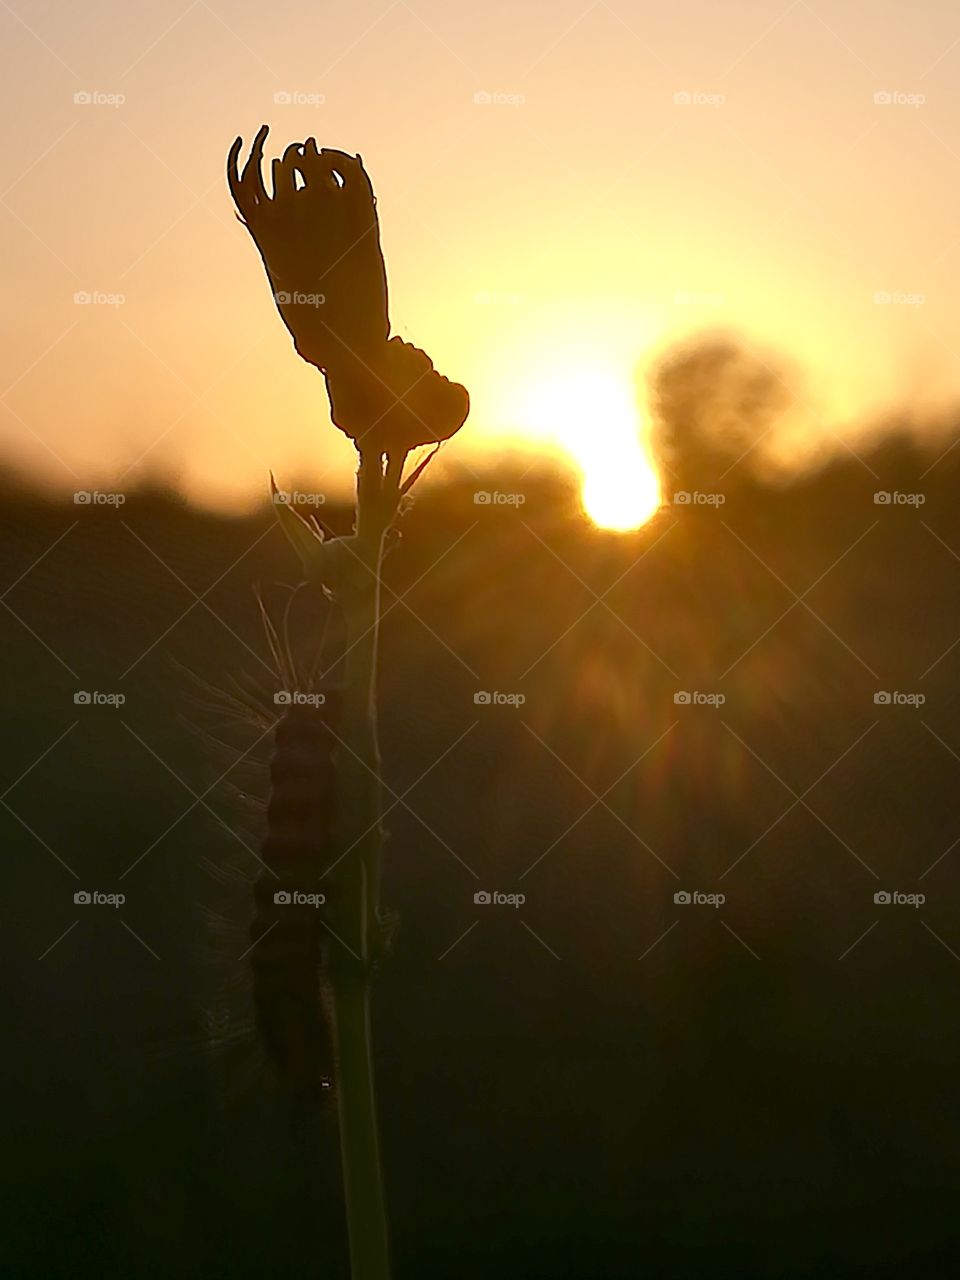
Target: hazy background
x,y
553,237
605,1083
602,1083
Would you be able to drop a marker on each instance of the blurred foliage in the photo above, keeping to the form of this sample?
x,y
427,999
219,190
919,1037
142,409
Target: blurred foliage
x,y
739,1101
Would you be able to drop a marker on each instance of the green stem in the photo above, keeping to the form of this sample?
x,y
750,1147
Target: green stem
x,y
361,798
359,1144
356,908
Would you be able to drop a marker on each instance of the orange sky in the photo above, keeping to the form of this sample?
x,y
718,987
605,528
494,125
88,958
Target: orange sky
x,y
641,172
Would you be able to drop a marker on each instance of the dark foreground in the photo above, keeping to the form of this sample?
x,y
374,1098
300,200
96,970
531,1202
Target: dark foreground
x,y
601,1082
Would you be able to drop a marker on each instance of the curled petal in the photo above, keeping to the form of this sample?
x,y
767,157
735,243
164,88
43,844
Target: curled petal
x,y
357,186
233,177
310,166
251,180
290,165
396,401
320,246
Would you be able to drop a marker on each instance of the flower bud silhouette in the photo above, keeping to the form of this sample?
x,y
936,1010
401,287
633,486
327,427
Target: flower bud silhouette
x,y
320,244
319,238
395,401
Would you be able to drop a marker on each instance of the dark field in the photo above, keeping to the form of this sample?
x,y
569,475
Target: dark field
x,y
600,1082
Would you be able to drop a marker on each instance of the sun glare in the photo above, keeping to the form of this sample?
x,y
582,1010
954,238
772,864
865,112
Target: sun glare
x,y
620,492
592,416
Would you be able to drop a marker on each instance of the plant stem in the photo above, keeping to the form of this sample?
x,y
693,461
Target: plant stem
x,y
360,788
357,908
359,1144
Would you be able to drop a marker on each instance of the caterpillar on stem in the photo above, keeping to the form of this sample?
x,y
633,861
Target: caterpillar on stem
x,y
287,932
278,960
288,935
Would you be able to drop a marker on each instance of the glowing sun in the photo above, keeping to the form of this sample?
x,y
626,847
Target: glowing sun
x,y
593,418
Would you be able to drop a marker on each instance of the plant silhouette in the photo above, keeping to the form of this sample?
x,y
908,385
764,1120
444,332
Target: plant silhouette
x,y
319,239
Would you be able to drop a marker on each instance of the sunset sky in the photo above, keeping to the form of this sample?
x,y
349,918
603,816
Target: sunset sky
x,y
637,173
